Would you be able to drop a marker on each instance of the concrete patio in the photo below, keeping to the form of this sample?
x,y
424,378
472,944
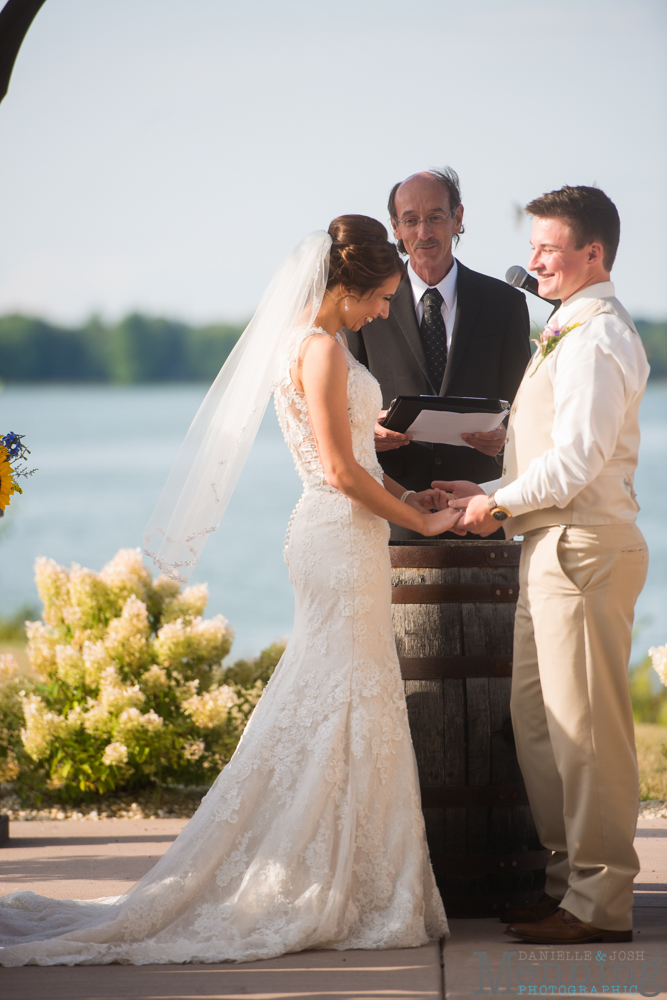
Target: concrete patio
x,y
84,859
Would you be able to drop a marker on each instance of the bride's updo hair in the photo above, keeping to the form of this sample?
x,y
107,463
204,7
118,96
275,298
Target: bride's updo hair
x,y
361,255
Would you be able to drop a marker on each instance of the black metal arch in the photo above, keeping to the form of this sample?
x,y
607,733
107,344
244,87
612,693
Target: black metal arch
x,y
15,19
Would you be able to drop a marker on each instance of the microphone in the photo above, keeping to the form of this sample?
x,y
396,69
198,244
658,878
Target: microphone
x,y
519,278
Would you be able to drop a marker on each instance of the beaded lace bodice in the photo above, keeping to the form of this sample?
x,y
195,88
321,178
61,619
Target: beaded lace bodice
x,y
364,402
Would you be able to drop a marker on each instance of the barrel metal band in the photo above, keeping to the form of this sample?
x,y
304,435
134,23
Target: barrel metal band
x,y
498,555
428,668
483,906
491,864
457,593
472,796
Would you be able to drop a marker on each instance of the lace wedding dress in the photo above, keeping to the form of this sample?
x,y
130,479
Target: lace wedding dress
x,y
312,836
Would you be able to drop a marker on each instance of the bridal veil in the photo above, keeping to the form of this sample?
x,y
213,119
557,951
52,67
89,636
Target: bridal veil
x,y
217,444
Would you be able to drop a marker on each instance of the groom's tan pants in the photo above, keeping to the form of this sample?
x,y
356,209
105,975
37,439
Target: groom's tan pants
x,y
571,711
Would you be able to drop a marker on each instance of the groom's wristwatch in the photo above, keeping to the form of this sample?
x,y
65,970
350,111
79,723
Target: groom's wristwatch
x,y
497,513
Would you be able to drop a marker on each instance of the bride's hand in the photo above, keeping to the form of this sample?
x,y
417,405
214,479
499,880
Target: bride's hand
x,y
442,520
441,499
428,500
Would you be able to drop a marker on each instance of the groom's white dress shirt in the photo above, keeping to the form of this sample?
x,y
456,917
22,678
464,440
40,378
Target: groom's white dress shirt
x,y
446,287
598,374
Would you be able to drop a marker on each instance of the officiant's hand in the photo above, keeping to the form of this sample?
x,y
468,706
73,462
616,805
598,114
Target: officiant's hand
x,y
488,442
386,440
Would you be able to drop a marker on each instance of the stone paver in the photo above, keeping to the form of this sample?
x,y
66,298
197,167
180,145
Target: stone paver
x,y
83,859
86,859
408,974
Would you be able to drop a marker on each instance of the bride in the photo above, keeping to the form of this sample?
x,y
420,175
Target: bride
x,y
312,836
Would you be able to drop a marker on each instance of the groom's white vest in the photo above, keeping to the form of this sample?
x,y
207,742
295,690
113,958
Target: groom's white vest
x,y
610,497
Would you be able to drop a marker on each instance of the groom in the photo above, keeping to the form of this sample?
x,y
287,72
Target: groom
x,y
567,487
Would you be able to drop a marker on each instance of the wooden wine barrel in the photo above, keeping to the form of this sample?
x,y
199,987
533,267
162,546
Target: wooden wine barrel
x,y
453,610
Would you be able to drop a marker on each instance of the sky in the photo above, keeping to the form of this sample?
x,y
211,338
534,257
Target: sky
x,y
165,156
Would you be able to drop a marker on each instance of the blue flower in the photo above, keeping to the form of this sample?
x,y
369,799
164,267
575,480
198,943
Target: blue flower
x,y
12,442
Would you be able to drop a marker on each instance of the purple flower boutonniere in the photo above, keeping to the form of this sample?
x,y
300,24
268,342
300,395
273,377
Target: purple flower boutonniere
x,y
549,341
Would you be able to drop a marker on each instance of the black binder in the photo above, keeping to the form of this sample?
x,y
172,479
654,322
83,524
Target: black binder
x,y
404,410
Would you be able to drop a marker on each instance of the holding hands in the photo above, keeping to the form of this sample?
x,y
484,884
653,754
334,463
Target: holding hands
x,y
443,518
473,504
428,500
457,489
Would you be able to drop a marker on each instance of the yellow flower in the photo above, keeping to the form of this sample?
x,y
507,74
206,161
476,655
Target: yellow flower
x,y
8,484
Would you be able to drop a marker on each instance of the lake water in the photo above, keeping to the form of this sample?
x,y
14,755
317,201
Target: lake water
x,y
103,454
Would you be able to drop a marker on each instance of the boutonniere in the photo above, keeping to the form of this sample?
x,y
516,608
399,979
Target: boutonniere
x,y
549,341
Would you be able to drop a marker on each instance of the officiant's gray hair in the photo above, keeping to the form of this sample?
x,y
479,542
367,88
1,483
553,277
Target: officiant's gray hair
x,y
450,179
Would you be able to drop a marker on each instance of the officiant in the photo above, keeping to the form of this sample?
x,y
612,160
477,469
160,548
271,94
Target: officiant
x,y
450,331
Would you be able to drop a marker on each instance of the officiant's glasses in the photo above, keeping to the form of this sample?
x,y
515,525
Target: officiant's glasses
x,y
432,221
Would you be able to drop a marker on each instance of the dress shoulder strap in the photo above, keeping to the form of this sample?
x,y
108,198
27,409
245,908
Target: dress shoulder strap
x,y
311,331
292,354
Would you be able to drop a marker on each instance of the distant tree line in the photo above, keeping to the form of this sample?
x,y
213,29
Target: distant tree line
x,y
143,349
654,336
138,349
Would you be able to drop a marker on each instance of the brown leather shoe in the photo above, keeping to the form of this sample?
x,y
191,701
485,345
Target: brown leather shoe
x,y
562,927
544,907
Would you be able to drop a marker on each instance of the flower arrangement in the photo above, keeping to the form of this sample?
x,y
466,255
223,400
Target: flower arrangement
x,y
128,687
549,341
12,453
658,656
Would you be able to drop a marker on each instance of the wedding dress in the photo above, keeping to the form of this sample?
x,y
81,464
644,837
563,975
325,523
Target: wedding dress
x,y
312,836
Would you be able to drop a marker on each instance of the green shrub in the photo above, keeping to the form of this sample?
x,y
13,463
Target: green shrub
x,y
12,628
247,673
129,691
12,689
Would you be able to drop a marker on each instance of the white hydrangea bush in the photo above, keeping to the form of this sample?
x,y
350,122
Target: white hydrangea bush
x,y
658,656
128,686
11,718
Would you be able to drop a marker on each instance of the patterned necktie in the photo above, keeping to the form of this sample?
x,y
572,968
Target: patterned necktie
x,y
434,336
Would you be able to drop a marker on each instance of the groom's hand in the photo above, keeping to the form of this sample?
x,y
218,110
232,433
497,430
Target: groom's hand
x,y
477,516
441,500
458,488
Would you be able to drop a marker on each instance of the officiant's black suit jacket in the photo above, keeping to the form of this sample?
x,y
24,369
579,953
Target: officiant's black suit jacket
x,y
489,352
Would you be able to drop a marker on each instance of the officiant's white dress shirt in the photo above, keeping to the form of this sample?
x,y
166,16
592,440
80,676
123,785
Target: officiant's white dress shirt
x,y
598,374
446,287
